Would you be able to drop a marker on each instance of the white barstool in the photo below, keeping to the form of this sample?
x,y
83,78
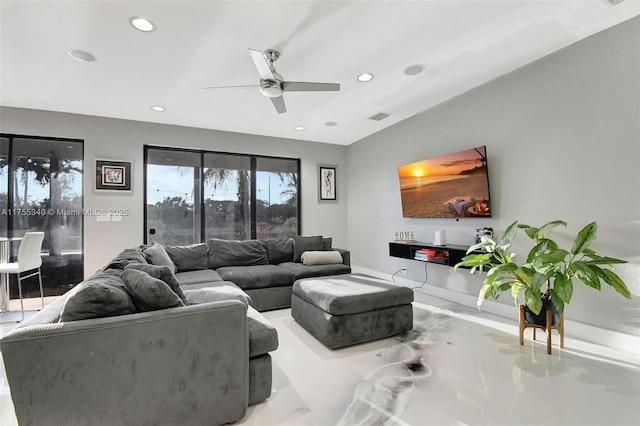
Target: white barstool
x,y
29,262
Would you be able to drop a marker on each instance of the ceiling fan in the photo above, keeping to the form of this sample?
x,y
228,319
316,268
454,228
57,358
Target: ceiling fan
x,y
273,85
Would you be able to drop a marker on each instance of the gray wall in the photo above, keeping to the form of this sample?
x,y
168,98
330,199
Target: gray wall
x,y
563,142
563,138
123,139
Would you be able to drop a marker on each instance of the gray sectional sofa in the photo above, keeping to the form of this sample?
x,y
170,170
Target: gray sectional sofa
x,y
264,269
162,335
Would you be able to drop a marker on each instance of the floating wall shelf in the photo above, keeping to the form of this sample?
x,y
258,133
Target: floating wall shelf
x,y
448,254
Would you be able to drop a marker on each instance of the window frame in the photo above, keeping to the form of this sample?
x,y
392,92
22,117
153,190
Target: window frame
x,y
74,273
253,190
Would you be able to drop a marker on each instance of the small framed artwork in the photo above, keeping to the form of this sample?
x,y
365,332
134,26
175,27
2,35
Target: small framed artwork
x,y
113,175
328,183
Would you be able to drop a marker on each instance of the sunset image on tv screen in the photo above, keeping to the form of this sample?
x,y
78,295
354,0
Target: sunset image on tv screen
x,y
454,185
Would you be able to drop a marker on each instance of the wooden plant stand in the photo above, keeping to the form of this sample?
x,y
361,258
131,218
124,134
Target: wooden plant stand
x,y
524,325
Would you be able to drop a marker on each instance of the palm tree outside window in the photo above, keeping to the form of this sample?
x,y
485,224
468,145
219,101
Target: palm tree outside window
x,y
192,196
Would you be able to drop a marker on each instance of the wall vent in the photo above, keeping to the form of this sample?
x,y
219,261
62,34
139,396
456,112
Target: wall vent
x,y
379,116
612,2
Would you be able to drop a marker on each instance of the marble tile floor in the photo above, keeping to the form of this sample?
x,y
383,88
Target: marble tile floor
x,y
457,367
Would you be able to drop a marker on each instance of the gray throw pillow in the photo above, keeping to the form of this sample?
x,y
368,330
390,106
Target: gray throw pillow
x,y
326,243
188,258
279,250
126,257
101,295
148,293
236,253
162,273
302,244
157,255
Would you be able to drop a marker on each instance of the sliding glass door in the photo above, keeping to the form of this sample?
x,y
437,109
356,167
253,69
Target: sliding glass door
x,y
4,185
276,198
173,201
41,190
192,196
227,196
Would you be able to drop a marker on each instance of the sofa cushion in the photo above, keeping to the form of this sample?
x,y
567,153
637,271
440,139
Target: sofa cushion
x,y
261,276
236,253
327,242
270,298
101,295
197,277
216,292
126,257
188,258
279,250
162,273
263,337
302,244
323,257
149,293
157,255
304,271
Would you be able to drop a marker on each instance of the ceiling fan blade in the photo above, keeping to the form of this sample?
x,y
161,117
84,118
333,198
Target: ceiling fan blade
x,y
279,104
261,65
231,87
304,86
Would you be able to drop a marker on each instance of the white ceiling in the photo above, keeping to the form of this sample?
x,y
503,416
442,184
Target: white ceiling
x,y
461,44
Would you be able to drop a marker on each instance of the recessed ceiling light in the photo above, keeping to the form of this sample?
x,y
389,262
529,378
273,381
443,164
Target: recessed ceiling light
x,y
414,69
142,24
158,108
330,123
299,128
365,77
81,55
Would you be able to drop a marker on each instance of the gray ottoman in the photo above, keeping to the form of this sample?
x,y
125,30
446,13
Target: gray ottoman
x,y
344,310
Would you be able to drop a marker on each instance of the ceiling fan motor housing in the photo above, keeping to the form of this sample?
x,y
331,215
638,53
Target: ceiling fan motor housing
x,y
272,88
268,87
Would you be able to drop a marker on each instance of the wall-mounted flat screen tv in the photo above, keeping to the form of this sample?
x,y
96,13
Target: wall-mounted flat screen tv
x,y
454,185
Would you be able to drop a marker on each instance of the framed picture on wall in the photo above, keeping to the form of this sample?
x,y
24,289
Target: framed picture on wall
x,y
328,183
113,175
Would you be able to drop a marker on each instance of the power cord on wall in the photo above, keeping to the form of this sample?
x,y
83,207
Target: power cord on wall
x,y
426,275
393,277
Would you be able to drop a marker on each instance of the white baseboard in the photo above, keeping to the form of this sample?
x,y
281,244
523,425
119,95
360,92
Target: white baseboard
x,y
588,333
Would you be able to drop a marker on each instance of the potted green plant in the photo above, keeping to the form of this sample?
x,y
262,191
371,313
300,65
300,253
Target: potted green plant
x,y
546,276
